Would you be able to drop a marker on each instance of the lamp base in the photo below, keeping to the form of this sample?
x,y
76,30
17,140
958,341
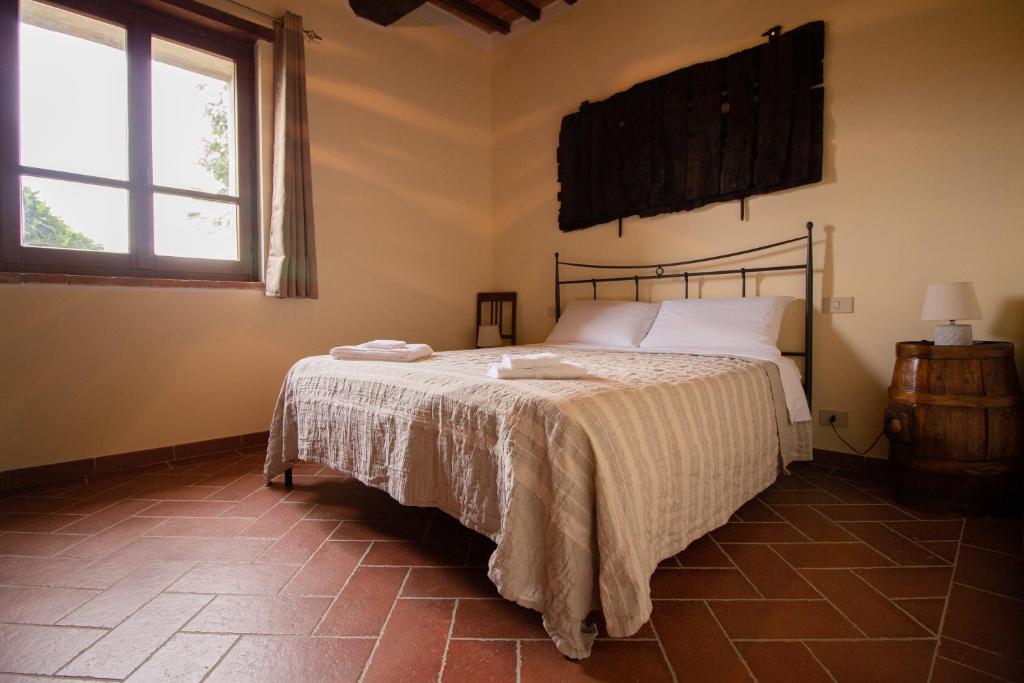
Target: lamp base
x,y
953,335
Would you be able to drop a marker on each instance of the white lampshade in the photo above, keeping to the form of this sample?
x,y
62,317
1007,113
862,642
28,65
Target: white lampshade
x,y
488,335
951,301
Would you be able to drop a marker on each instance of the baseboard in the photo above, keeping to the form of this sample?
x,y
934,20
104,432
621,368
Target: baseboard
x,y
89,468
851,461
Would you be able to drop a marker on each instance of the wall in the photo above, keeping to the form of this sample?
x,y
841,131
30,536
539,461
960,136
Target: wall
x,y
923,168
400,123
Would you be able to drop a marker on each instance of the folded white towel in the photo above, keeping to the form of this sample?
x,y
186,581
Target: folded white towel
x,y
544,359
403,355
564,370
384,344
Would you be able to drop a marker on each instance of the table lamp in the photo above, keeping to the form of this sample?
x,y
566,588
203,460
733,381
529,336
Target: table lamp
x,y
951,301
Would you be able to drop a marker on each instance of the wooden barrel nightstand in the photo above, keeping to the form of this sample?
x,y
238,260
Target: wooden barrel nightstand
x,y
954,427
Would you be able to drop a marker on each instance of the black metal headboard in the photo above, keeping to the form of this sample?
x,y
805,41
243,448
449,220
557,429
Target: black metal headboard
x,y
660,274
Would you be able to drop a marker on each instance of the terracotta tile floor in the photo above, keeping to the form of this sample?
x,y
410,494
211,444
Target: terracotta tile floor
x,y
200,572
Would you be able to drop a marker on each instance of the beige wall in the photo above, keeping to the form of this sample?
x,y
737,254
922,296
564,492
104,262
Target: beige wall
x,y
924,166
925,137
400,121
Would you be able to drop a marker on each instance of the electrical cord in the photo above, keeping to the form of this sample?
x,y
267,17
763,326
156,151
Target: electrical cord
x,y
832,424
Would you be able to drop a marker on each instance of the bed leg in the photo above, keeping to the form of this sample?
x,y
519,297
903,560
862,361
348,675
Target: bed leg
x,y
288,478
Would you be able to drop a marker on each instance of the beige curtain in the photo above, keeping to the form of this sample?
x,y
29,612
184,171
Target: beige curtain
x,y
291,253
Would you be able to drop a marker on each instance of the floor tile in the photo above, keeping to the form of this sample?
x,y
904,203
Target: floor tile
x,y
260,614
449,582
235,579
990,622
896,547
177,508
41,649
496,619
112,539
195,549
781,662
364,604
478,661
31,605
36,545
812,523
257,503
199,527
701,583
299,543
120,601
107,517
770,574
38,571
798,496
407,554
943,530
36,523
119,652
276,521
241,488
782,619
927,611
992,571
876,661
1002,667
622,661
328,569
411,649
703,552
872,612
270,659
695,644
381,530
1002,535
186,658
823,555
767,532
756,511
862,513
909,582
946,671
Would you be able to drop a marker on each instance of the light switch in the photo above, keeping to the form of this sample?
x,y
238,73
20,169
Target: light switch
x,y
838,304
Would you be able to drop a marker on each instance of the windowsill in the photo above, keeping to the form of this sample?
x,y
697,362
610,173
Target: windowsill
x,y
119,281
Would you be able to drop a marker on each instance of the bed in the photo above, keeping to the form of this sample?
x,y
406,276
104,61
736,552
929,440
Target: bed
x,y
584,485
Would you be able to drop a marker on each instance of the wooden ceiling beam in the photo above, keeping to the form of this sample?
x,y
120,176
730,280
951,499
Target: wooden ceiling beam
x,y
523,7
471,10
383,12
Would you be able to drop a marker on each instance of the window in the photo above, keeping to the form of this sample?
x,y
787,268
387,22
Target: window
x,y
131,150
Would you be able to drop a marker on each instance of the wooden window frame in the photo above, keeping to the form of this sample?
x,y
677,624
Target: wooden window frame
x,y
142,23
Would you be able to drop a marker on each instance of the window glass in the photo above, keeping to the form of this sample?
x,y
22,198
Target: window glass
x,y
66,215
73,92
194,137
195,228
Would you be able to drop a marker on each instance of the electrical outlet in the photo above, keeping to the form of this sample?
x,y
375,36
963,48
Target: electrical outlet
x,y
838,304
842,417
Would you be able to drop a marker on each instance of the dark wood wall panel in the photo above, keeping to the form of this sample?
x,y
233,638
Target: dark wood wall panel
x,y
747,124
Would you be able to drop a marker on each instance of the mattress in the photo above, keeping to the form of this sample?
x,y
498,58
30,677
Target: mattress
x,y
584,485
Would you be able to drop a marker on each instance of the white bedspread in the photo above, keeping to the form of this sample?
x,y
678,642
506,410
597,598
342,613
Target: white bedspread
x,y
584,485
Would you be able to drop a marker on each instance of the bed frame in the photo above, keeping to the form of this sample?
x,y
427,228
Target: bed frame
x,y
660,274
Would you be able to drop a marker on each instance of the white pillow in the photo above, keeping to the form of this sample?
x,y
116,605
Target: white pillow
x,y
748,324
607,323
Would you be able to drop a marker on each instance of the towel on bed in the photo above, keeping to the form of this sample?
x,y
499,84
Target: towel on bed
x,y
405,354
384,344
566,369
545,359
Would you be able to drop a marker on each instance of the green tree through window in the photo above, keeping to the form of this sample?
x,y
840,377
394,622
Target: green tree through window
x,y
44,229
